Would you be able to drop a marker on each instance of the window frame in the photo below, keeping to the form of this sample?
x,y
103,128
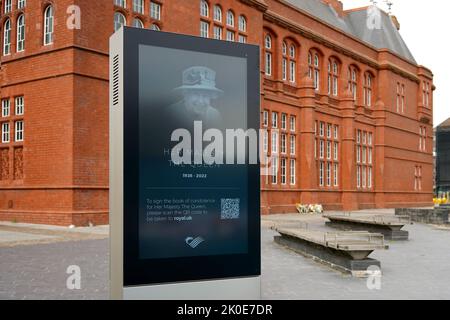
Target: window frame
x,y
49,25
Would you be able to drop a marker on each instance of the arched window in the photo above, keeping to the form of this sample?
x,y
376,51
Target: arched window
x,y
48,25
204,8
242,24
217,13
137,23
155,27
353,81
333,77
7,37
230,18
21,33
314,68
268,55
119,21
368,79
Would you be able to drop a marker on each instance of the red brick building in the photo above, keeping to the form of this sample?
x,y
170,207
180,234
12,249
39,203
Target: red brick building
x,y
347,108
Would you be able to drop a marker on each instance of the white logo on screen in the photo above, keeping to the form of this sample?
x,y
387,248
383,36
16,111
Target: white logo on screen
x,y
194,242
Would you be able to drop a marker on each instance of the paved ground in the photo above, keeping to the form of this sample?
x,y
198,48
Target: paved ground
x,y
417,269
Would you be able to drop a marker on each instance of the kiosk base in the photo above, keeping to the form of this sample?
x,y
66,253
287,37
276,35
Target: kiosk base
x,y
229,289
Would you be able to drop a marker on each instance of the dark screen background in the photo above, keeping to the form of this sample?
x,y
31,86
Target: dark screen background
x,y
160,72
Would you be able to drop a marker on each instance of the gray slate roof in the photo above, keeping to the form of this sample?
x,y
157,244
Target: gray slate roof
x,y
355,23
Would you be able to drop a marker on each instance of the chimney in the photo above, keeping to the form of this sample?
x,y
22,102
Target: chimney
x,y
395,21
337,6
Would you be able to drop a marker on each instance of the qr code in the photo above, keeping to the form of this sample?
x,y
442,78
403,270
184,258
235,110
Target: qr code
x,y
230,209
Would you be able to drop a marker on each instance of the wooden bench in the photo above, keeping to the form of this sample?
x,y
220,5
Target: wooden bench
x,y
387,225
347,251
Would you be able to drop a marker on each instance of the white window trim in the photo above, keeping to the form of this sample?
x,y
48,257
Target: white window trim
x,y
6,132
19,133
49,25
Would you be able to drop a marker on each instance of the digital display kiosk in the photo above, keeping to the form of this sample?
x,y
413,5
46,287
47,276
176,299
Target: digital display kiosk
x,y
184,182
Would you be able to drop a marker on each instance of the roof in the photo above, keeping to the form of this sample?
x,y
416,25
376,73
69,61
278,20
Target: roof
x,y
354,22
445,124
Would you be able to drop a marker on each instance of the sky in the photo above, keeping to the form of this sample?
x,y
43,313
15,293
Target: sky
x,y
424,25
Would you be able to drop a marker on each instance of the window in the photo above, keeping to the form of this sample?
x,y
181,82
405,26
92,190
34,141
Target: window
x,y
265,118
217,13
19,131
322,129
336,151
292,171
418,178
48,25
155,10
423,139
8,6
328,174
329,129
358,177
274,120
314,69
242,39
230,35
292,68
204,8
292,145
5,132
21,33
403,98
426,94
329,150
283,144
368,90
204,29
353,81
5,108
400,98
333,77
274,170
230,18
7,37
336,132
242,24
336,175
321,149
268,55
138,6
283,121
155,27
292,123
283,171
137,23
321,172
274,142
120,3
21,4
217,33
284,62
20,106
266,142
364,159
